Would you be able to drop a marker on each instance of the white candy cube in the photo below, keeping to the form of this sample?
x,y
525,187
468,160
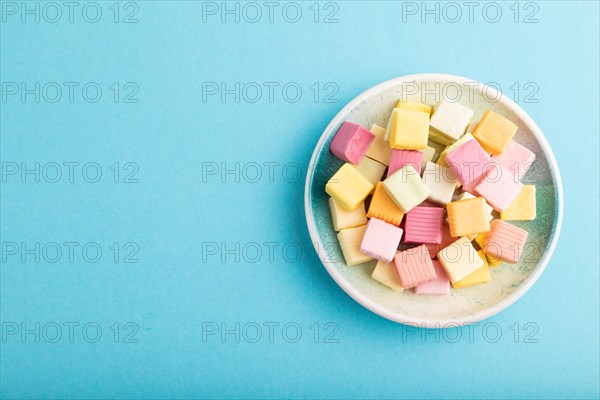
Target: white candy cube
x,y
441,181
451,119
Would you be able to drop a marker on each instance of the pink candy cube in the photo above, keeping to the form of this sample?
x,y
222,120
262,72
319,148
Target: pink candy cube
x,y
515,158
400,158
469,162
504,241
447,240
439,285
351,142
414,266
380,240
498,187
424,225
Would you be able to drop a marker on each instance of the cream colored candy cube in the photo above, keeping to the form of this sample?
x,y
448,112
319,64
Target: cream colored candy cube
x,y
428,155
460,259
371,169
380,149
386,274
441,182
350,240
451,119
343,219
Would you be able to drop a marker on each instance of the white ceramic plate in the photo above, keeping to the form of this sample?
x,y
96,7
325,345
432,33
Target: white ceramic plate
x,y
462,306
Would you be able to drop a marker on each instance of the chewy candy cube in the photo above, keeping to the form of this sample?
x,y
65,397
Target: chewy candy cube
x,y
469,162
468,217
428,156
439,285
406,189
498,188
467,195
380,149
414,266
447,240
460,259
411,105
450,148
451,119
343,219
351,142
383,207
350,240
441,182
523,206
516,159
480,241
401,158
380,240
481,275
371,169
386,274
424,225
505,241
494,132
348,187
408,130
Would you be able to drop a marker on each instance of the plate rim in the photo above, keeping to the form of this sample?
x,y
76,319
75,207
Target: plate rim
x,y
428,322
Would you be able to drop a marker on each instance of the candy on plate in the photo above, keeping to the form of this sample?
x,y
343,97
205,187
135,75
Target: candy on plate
x,y
494,132
414,266
350,240
343,219
383,207
406,189
351,142
381,240
505,241
386,274
348,187
401,158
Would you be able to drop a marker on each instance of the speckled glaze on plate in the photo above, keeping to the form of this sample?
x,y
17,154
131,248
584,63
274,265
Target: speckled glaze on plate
x,y
462,306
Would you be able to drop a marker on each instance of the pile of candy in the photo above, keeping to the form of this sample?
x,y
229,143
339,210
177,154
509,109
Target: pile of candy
x,y
430,224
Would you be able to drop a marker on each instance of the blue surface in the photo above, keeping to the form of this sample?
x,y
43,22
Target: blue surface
x,y
176,217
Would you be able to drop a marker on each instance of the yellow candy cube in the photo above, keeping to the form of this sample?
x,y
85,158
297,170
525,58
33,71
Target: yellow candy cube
x,y
409,130
348,187
411,105
383,207
523,206
494,132
468,217
350,240
482,275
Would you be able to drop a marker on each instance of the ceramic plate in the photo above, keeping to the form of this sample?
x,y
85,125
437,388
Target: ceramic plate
x,y
462,306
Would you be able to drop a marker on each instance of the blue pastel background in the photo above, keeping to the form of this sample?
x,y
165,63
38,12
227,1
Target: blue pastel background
x,y
177,217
